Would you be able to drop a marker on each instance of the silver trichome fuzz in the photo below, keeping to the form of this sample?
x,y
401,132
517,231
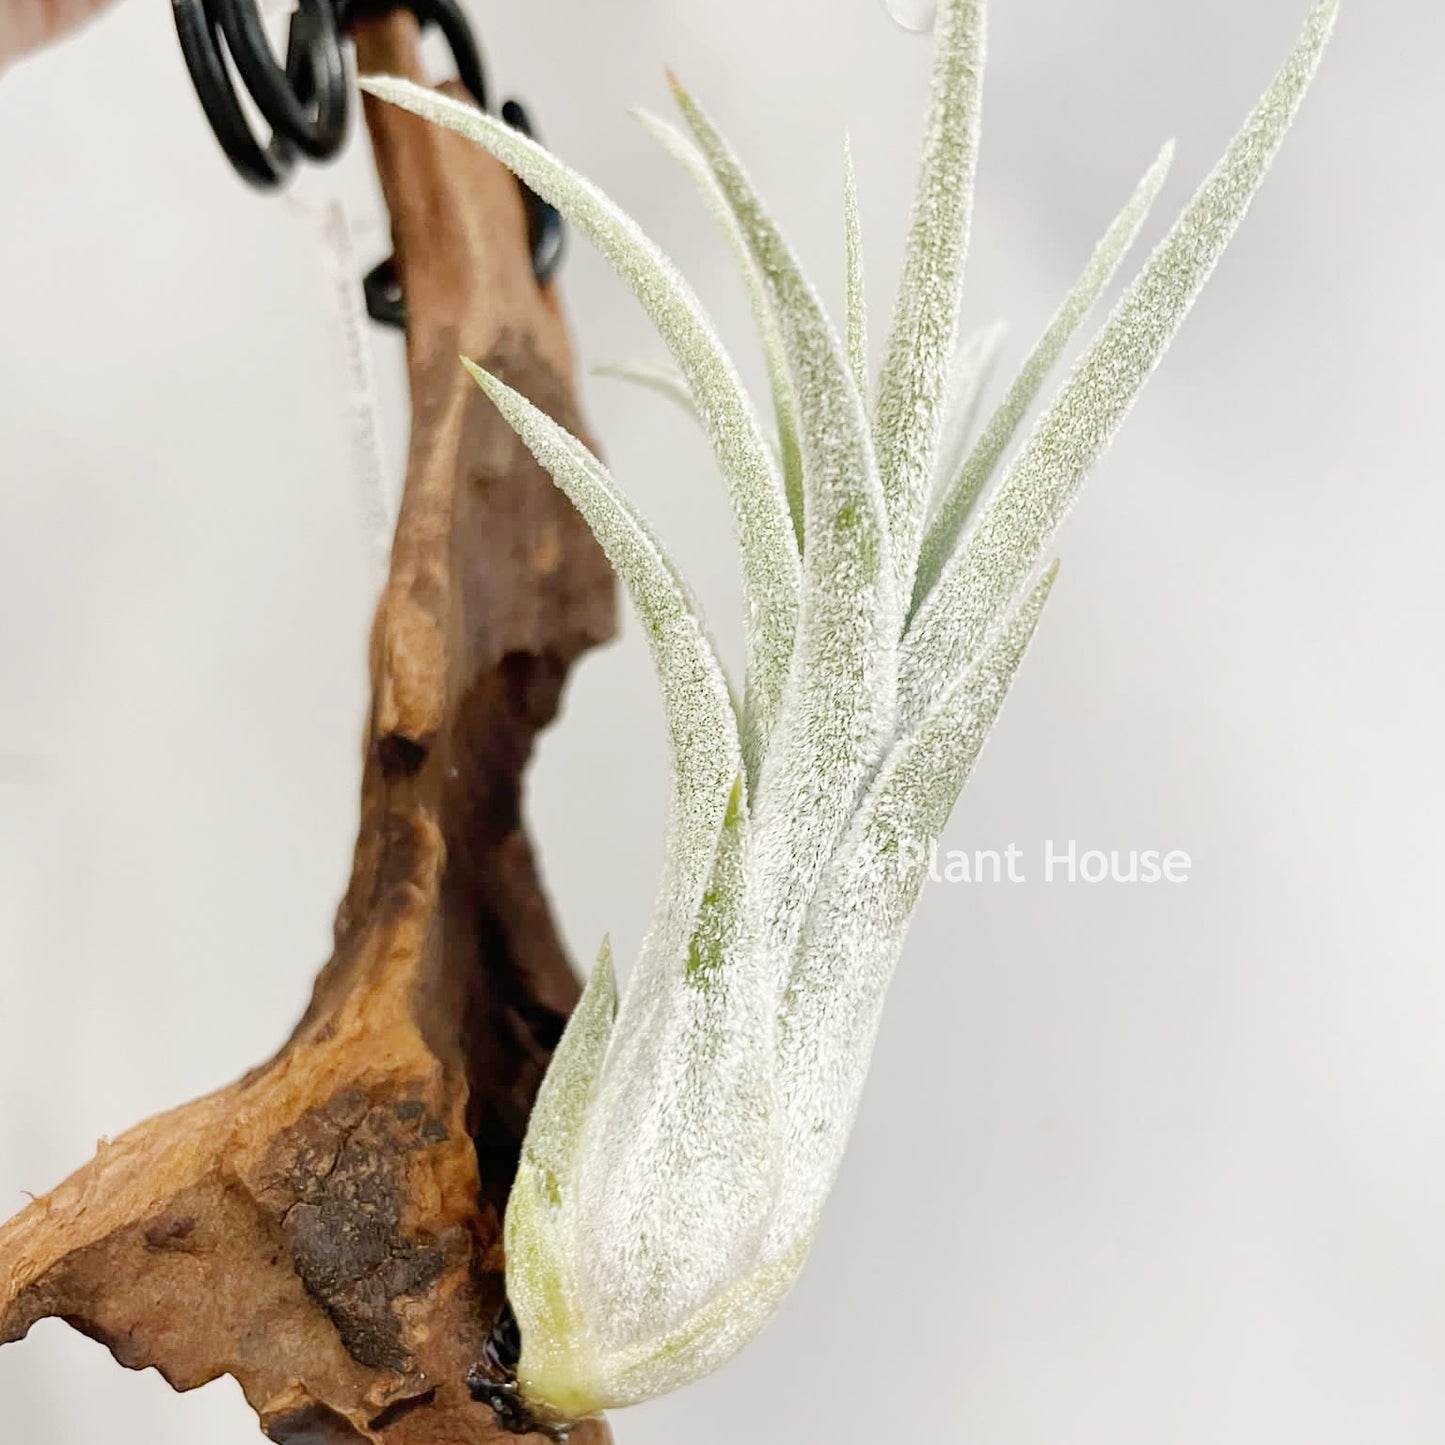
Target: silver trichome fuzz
x,y
688,1132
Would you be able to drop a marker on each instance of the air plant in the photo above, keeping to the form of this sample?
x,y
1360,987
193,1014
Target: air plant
x,y
689,1130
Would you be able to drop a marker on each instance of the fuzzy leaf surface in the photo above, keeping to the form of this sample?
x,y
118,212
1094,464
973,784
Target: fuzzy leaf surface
x,y
977,358
857,284
921,344
785,408
838,704
857,927
968,480
541,1224
702,725
1020,519
765,533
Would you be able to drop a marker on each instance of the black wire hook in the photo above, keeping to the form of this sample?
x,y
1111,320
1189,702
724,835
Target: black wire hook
x,y
306,100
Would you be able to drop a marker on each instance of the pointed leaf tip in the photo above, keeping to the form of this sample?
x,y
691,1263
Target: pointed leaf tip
x,y
1036,492
744,455
912,386
967,479
604,964
785,410
706,752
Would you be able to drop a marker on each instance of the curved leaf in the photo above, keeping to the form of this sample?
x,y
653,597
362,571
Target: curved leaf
x,y
765,533
968,480
856,928
977,357
785,409
656,376
1020,519
541,1223
706,752
839,698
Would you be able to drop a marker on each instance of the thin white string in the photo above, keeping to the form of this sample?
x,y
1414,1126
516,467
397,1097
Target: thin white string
x,y
332,226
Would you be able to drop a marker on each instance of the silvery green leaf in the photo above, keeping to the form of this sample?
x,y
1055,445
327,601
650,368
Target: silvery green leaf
x,y
920,349
565,1098
857,925
682,1149
857,287
966,480
692,161
837,707
682,1145
709,1339
765,533
706,751
977,357
656,376
542,1223
1021,517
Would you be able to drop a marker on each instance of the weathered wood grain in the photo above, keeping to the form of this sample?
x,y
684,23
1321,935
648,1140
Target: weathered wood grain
x,y
326,1230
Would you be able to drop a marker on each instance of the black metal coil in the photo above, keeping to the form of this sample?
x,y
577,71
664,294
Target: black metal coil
x,y
305,100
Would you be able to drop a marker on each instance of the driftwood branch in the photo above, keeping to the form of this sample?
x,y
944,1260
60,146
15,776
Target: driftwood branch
x,y
326,1230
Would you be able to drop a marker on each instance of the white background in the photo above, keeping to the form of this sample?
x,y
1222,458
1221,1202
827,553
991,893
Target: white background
x,y
1135,1165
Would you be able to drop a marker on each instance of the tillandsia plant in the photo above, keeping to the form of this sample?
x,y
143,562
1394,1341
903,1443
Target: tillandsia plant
x,y
688,1132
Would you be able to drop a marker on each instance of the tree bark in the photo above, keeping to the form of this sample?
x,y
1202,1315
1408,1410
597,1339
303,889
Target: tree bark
x,y
327,1229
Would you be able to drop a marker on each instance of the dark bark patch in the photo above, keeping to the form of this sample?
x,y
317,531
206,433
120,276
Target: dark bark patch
x,y
401,757
338,1181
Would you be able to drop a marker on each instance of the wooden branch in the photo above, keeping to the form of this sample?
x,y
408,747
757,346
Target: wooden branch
x,y
326,1230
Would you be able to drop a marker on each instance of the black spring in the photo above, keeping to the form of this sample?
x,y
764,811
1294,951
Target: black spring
x,y
305,99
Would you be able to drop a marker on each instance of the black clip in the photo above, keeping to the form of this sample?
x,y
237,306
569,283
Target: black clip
x,y
306,101
492,1381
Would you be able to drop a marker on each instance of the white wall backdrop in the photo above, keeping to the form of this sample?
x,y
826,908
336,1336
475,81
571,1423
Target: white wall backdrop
x,y
1136,1164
